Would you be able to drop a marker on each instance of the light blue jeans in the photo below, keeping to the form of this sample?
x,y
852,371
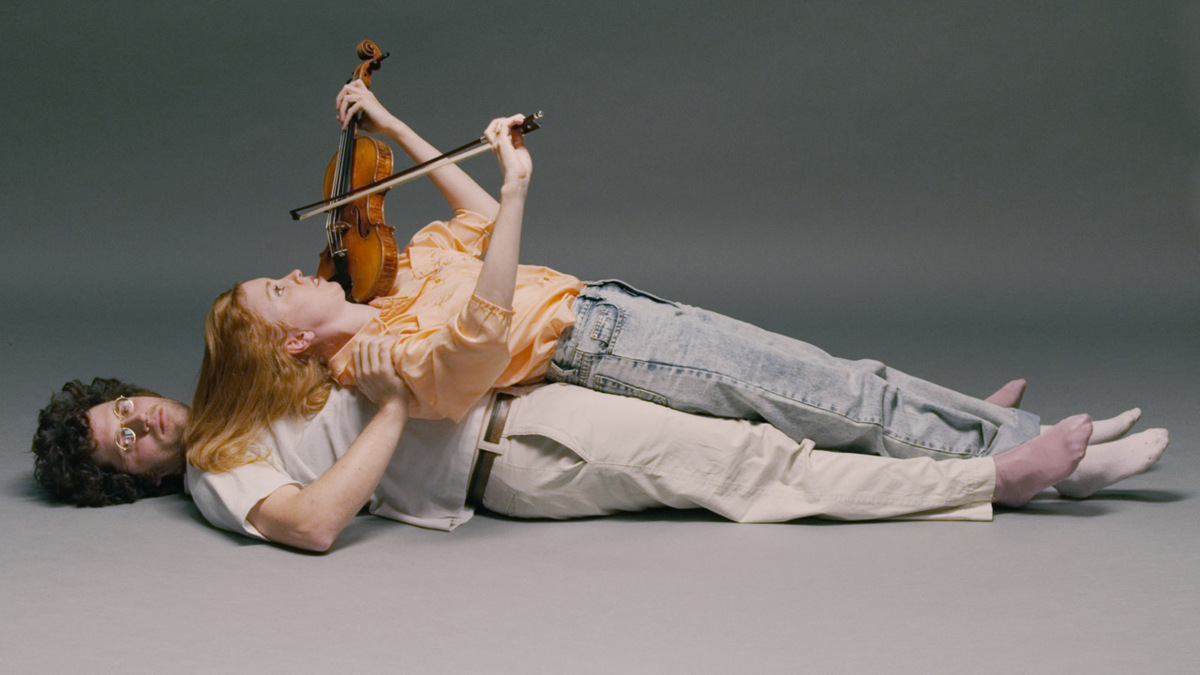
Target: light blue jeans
x,y
628,342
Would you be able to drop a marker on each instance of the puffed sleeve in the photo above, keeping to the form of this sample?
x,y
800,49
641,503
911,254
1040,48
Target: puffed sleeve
x,y
467,232
451,367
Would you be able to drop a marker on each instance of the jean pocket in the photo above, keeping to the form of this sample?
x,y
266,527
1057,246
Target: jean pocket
x,y
606,324
557,373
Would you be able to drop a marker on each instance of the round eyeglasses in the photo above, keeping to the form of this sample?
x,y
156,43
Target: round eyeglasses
x,y
123,409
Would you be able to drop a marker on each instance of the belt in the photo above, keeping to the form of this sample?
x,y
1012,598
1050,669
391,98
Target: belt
x,y
485,458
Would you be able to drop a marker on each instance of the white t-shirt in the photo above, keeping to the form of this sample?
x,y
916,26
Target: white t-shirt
x,y
425,483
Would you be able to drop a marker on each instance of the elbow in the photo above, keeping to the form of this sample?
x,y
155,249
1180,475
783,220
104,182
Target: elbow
x,y
288,518
314,538
319,545
308,544
318,540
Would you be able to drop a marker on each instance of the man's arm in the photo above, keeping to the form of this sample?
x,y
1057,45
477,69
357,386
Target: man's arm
x,y
312,517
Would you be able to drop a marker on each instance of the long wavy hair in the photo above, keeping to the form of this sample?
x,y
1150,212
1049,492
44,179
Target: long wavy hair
x,y
247,381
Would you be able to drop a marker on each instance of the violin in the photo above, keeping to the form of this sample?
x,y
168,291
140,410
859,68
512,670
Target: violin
x,y
360,252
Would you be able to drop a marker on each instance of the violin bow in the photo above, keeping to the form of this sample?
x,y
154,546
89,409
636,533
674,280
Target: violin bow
x,y
475,147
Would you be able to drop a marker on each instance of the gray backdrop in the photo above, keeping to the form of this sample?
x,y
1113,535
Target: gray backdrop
x,y
768,159
972,191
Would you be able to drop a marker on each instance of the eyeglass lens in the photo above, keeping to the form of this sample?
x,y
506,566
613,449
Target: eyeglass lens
x,y
123,408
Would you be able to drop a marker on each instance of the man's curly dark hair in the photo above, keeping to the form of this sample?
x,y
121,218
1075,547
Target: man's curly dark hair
x,y
63,447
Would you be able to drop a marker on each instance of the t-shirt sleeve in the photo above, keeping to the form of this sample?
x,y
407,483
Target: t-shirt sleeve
x,y
226,498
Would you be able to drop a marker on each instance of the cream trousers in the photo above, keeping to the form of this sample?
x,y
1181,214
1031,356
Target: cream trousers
x,y
569,452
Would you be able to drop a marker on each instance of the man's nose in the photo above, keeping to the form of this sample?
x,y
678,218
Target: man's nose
x,y
140,423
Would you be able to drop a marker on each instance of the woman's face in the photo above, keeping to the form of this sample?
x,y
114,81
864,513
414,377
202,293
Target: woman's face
x,y
299,302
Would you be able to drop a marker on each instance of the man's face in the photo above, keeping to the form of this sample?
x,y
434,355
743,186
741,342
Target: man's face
x,y
300,302
158,423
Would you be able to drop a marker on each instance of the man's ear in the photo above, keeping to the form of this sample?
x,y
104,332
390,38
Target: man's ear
x,y
297,342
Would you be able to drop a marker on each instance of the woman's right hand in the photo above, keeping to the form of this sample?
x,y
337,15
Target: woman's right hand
x,y
375,375
516,164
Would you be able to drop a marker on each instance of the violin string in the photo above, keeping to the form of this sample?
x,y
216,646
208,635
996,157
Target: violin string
x,y
330,236
342,179
347,171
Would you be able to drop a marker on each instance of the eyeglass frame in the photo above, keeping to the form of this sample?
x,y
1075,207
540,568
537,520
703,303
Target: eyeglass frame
x,y
126,438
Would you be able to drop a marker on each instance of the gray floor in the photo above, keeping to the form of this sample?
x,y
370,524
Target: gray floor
x,y
968,191
1106,585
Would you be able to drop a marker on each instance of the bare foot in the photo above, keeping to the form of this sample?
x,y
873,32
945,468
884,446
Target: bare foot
x,y
1046,460
1008,396
1107,463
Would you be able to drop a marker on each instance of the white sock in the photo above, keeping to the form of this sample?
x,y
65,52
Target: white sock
x,y
1112,428
1107,463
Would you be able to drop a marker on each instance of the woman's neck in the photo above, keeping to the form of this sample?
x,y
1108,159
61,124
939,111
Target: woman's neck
x,y
348,323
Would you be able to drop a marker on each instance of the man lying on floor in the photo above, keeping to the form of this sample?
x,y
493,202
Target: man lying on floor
x,y
551,451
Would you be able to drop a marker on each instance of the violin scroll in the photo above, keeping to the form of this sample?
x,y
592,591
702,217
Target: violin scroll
x,y
371,56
